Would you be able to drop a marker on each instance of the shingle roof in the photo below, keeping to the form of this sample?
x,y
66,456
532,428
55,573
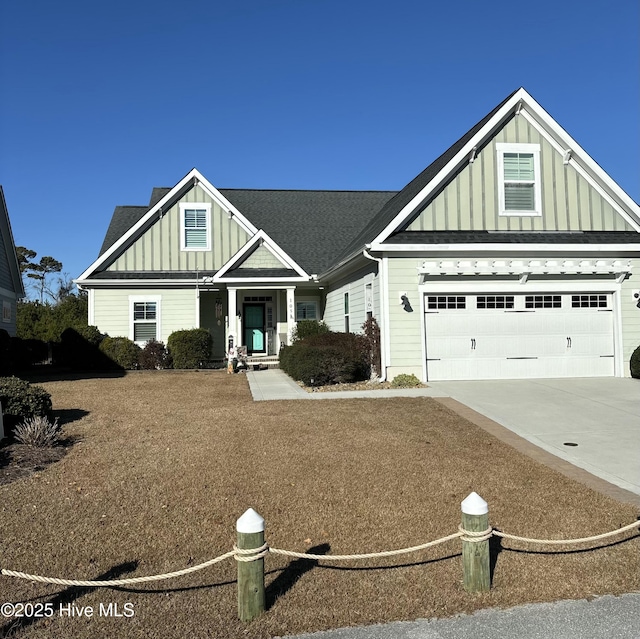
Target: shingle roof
x,y
514,237
124,217
312,227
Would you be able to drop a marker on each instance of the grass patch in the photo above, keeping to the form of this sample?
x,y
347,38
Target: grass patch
x,y
165,462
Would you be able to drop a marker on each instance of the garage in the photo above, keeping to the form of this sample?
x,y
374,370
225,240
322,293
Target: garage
x,y
515,336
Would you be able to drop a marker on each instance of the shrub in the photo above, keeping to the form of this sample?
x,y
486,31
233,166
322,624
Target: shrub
x,y
37,431
372,334
21,400
79,349
306,328
122,351
6,363
154,356
328,358
190,348
405,381
635,363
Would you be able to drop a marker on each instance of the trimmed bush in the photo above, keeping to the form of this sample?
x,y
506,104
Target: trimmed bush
x,y
330,358
405,381
635,363
307,328
190,348
154,356
21,400
122,351
6,363
37,431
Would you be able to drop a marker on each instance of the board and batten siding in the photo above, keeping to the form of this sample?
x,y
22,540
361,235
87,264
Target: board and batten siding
x,y
6,281
261,258
111,313
630,315
355,286
469,202
158,248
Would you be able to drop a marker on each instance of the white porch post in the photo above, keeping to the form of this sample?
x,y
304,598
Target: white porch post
x,y
232,309
291,313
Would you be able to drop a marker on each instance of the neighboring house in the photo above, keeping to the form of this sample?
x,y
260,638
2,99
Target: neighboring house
x,y
11,287
511,256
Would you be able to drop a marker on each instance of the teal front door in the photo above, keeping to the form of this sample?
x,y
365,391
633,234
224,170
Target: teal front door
x,y
254,338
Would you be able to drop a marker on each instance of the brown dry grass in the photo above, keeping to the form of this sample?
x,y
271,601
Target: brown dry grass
x,y
165,463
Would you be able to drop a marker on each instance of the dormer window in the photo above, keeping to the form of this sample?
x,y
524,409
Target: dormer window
x,y
195,226
519,180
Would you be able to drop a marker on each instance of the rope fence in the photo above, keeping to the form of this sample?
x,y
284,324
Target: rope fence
x,y
250,533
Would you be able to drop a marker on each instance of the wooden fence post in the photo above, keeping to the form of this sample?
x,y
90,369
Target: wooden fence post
x,y
475,554
250,530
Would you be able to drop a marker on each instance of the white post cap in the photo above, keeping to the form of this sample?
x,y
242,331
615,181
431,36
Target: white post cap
x,y
250,522
474,505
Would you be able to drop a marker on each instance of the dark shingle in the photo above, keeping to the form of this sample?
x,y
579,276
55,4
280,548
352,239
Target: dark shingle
x,y
124,217
514,237
312,227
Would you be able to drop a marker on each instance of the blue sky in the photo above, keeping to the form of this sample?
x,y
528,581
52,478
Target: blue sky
x,y
103,101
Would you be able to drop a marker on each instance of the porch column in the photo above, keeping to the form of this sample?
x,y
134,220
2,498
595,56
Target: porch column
x,y
232,306
291,313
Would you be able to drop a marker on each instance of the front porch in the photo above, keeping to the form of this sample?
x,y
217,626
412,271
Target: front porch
x,y
260,319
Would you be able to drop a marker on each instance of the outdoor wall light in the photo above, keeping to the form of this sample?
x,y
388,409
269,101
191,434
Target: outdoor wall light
x,y
636,295
406,304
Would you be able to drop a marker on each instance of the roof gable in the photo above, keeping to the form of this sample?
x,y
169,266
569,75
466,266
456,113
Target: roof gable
x,y
403,208
261,258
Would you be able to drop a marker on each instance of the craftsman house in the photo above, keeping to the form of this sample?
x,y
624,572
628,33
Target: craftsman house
x,y
11,287
512,255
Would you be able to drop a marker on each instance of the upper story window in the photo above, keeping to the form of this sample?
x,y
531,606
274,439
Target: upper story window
x,y
195,226
519,179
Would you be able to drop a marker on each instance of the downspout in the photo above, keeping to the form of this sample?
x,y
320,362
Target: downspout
x,y
383,334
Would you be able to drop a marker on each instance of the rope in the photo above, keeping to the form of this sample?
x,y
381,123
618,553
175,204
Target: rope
x,y
253,554
370,555
475,537
250,554
635,524
116,582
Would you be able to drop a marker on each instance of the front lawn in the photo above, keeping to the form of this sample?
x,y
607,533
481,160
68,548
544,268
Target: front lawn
x,y
163,463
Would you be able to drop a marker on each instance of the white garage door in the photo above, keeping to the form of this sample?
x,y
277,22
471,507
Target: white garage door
x,y
519,336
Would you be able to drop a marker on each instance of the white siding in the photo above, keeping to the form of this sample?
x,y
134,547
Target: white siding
x,y
355,287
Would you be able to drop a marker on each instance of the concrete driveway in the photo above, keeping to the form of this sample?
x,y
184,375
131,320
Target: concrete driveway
x,y
593,423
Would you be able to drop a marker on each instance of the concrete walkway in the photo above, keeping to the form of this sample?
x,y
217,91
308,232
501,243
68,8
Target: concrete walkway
x,y
274,384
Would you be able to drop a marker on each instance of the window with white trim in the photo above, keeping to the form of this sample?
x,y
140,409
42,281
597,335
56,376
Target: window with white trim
x,y
346,312
589,301
306,311
6,312
144,321
195,226
519,179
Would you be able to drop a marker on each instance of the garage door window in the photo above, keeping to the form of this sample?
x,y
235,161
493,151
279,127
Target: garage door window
x,y
588,301
446,302
494,301
543,301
